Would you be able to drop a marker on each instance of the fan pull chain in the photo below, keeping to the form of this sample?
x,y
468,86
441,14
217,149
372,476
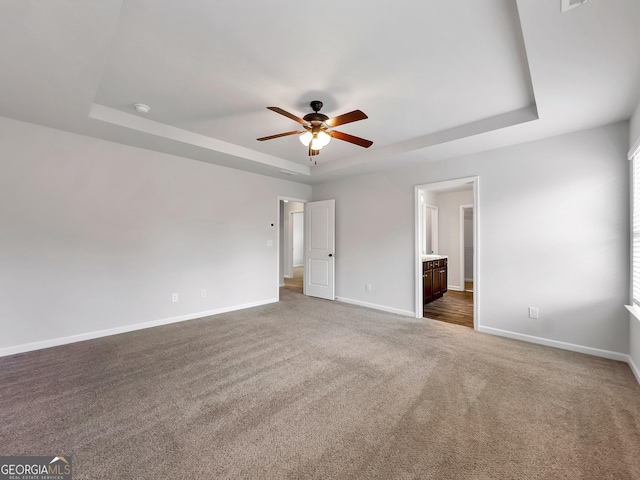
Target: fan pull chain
x,y
315,162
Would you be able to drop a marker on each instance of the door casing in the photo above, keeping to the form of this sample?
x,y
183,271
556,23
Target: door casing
x,y
419,232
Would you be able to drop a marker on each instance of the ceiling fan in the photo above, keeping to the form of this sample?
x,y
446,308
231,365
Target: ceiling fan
x,y
318,128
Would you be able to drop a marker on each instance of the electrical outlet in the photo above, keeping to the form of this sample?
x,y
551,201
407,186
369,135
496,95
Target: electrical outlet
x,y
203,293
533,312
367,287
174,297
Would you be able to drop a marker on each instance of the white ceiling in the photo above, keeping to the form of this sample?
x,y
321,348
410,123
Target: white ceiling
x,y
437,78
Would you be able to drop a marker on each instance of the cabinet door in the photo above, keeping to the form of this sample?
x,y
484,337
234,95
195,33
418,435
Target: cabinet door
x,y
437,287
427,286
443,280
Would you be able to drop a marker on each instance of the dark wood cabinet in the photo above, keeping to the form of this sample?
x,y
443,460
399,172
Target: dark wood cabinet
x,y
427,283
434,279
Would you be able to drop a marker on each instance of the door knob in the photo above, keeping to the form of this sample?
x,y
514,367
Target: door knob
x,y
331,254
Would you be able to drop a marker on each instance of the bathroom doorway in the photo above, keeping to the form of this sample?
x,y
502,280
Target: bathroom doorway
x,y
451,254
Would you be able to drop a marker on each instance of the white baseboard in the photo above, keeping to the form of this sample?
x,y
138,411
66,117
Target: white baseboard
x,y
455,288
397,311
597,352
634,368
54,342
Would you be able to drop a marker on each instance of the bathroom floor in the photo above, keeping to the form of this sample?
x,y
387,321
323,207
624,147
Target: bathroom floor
x,y
453,307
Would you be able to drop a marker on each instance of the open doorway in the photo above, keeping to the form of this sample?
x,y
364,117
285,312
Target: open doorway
x,y
446,264
294,249
291,245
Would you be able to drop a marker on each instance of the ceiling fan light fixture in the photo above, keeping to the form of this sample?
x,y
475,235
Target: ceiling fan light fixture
x,y
316,139
306,138
316,144
323,138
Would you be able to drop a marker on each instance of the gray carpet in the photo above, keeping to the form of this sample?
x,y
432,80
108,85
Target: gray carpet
x,y
312,389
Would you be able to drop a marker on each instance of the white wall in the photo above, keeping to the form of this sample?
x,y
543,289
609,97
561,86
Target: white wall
x,y
449,232
553,234
97,236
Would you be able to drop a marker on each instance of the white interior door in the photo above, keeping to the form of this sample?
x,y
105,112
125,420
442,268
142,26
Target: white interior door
x,y
319,241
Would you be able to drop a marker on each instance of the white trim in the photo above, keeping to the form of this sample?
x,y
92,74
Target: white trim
x,y
163,130
418,228
455,288
634,310
54,342
597,352
397,311
635,150
634,368
475,181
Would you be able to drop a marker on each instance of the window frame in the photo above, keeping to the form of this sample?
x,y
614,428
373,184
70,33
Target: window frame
x,y
634,239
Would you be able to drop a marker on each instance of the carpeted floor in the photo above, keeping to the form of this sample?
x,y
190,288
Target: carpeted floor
x,y
311,389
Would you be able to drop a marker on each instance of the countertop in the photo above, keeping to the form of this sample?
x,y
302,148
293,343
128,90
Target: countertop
x,y
426,258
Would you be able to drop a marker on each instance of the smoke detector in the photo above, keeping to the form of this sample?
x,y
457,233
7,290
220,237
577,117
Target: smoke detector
x,y
566,5
141,108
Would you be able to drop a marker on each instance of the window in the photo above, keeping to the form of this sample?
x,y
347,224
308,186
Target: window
x,y
635,227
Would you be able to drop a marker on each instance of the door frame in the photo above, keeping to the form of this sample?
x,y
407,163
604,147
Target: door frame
x,y
419,229
280,199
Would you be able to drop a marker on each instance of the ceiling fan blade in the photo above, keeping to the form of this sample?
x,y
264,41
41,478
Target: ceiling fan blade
x,y
351,139
287,114
346,118
281,135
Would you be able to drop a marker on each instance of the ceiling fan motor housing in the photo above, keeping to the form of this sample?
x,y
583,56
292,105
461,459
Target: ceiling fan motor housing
x,y
316,119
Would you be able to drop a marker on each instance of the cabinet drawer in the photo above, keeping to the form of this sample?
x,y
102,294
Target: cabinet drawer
x,y
427,266
431,264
